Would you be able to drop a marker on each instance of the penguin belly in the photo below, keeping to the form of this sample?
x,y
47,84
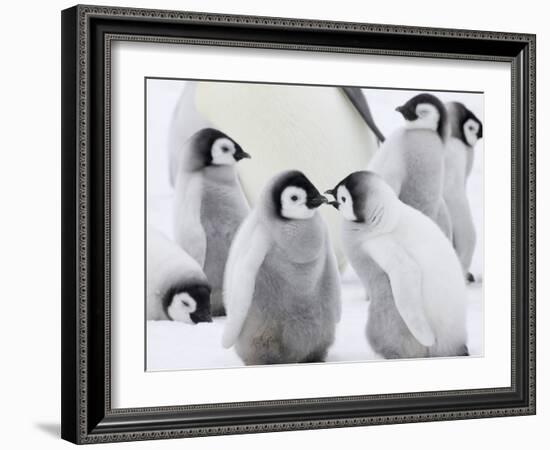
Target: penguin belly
x,y
222,212
291,319
422,186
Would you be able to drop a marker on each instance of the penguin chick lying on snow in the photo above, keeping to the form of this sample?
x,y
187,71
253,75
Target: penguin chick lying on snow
x,y
177,288
282,290
209,204
409,268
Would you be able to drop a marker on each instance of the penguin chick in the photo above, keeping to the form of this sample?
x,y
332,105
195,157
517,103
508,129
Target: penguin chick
x,y
408,267
177,288
411,160
209,204
465,130
282,289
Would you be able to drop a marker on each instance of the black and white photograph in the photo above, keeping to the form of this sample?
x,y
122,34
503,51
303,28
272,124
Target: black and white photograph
x,y
301,224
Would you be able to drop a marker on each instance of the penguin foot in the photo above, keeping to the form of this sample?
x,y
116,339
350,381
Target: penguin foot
x,y
470,278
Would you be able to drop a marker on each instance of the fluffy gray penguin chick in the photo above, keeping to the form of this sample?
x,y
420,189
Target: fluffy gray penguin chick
x,y
411,160
282,287
209,204
177,288
466,129
411,273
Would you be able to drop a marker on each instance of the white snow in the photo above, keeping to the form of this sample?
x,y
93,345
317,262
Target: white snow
x,y
177,346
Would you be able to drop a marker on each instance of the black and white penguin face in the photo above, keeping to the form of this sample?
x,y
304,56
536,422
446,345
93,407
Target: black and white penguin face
x,y
344,201
425,111
464,124
471,130
349,198
211,147
188,304
295,197
226,153
363,197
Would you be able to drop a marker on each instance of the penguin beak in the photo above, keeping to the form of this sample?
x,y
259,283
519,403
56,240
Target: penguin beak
x,y
315,202
333,203
407,112
201,316
241,155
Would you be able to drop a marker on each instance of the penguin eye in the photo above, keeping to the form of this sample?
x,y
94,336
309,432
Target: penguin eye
x,y
185,303
294,198
225,149
343,199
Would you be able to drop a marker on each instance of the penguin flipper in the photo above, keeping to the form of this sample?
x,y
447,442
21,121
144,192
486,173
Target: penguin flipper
x,y
188,229
358,100
246,255
406,284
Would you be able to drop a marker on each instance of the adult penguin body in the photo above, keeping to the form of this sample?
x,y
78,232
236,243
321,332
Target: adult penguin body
x,y
177,288
282,287
465,130
411,160
274,120
209,204
414,281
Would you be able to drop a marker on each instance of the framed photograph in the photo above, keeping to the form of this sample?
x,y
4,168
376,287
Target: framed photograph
x,y
281,224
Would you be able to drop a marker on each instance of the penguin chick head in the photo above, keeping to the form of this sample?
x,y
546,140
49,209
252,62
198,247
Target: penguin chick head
x,y
425,111
295,197
464,124
211,147
364,197
188,303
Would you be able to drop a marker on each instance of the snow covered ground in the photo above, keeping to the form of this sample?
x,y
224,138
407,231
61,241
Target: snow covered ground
x,y
175,345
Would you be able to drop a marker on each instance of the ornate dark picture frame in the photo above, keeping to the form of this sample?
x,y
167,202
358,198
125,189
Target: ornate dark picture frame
x,y
87,34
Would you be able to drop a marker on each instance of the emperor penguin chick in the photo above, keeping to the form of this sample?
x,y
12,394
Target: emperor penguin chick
x,y
408,267
177,288
411,160
465,130
209,204
282,288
